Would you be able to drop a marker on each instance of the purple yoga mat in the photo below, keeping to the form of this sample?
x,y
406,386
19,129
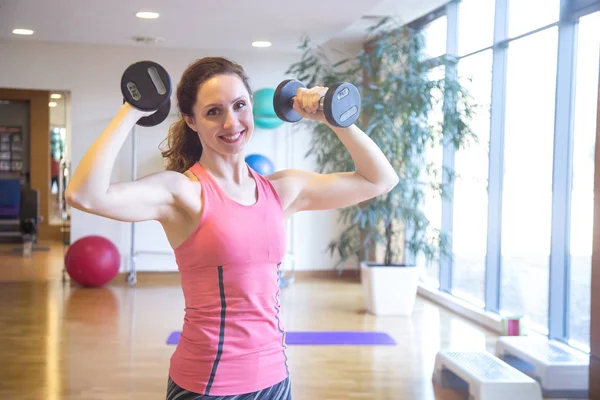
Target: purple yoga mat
x,y
331,338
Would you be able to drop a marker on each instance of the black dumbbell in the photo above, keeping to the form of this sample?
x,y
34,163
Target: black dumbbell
x,y
159,116
341,103
147,86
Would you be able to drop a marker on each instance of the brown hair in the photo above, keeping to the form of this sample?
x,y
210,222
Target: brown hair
x,y
183,145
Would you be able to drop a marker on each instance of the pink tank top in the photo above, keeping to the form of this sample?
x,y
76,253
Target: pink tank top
x,y
233,339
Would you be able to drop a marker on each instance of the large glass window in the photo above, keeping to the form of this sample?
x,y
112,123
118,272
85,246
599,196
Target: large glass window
x,y
527,181
432,202
527,102
470,187
527,15
582,194
435,34
475,25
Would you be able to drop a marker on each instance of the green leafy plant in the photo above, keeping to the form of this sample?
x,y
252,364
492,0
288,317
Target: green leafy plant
x,y
410,106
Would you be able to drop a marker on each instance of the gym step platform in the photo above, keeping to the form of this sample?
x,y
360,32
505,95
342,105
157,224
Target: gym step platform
x,y
485,376
563,372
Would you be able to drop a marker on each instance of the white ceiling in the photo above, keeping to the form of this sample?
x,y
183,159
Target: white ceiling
x,y
202,24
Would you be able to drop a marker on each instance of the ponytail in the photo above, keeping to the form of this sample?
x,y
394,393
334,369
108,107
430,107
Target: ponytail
x,y
183,147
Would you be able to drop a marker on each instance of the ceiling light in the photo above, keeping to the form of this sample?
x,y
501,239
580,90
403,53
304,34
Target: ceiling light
x,y
261,43
52,104
56,96
147,15
147,39
22,31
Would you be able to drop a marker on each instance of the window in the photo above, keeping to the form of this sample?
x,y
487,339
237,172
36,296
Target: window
x,y
432,203
475,25
470,186
435,37
527,182
527,15
524,177
435,34
582,194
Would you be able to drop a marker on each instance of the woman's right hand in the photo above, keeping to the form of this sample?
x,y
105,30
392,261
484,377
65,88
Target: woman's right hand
x,y
131,109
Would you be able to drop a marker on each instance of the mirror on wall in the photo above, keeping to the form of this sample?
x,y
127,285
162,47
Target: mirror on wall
x,y
59,156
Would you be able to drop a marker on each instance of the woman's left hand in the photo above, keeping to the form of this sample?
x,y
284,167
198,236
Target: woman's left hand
x,y
306,103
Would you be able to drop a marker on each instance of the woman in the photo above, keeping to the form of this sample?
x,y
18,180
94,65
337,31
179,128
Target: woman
x,y
225,223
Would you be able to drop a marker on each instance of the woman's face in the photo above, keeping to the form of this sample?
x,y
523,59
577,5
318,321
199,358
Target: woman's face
x,y
223,114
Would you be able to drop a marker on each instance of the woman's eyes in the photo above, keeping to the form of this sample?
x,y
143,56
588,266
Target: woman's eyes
x,y
236,106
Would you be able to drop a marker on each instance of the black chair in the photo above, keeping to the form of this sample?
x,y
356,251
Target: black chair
x,y
30,214
29,217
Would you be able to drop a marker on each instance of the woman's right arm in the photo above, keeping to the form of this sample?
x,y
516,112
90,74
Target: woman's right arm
x,y
149,198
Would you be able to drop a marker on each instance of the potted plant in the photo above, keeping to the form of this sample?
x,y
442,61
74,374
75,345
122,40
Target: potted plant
x,y
408,111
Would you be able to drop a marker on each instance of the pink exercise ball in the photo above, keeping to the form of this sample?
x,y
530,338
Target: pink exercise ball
x,y
92,261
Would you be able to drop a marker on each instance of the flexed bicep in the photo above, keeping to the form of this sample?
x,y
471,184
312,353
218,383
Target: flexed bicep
x,y
147,198
304,190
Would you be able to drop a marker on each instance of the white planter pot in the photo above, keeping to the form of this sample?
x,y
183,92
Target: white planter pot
x,y
389,290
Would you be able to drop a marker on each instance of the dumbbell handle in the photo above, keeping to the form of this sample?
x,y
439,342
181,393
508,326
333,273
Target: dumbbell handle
x,y
321,103
342,94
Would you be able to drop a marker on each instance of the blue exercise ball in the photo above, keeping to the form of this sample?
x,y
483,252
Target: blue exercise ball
x,y
260,164
263,111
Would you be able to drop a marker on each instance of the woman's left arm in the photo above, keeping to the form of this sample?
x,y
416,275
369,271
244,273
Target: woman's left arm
x,y
303,190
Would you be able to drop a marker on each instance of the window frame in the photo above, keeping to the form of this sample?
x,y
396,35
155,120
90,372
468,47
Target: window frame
x,y
559,264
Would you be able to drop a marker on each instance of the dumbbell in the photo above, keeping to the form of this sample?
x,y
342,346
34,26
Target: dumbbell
x,y
147,86
341,103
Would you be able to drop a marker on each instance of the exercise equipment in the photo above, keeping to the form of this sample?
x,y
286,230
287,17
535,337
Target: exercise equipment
x,y
325,338
337,338
159,116
562,371
20,215
264,114
341,103
147,86
92,261
260,164
30,219
484,376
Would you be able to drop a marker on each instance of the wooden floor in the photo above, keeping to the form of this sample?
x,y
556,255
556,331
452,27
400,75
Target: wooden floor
x,y
61,342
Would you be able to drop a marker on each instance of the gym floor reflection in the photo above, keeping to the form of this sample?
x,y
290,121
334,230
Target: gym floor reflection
x,y
62,342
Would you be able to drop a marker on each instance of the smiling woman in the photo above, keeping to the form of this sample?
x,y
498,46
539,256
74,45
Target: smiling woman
x,y
203,80
225,223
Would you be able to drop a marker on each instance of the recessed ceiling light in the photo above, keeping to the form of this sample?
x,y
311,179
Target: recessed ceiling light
x,y
261,43
147,39
56,96
52,104
147,15
20,31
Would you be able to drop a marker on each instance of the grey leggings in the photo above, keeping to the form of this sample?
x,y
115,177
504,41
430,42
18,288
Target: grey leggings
x,y
280,391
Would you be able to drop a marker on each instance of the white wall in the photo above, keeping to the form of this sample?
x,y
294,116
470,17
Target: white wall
x,y
92,75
